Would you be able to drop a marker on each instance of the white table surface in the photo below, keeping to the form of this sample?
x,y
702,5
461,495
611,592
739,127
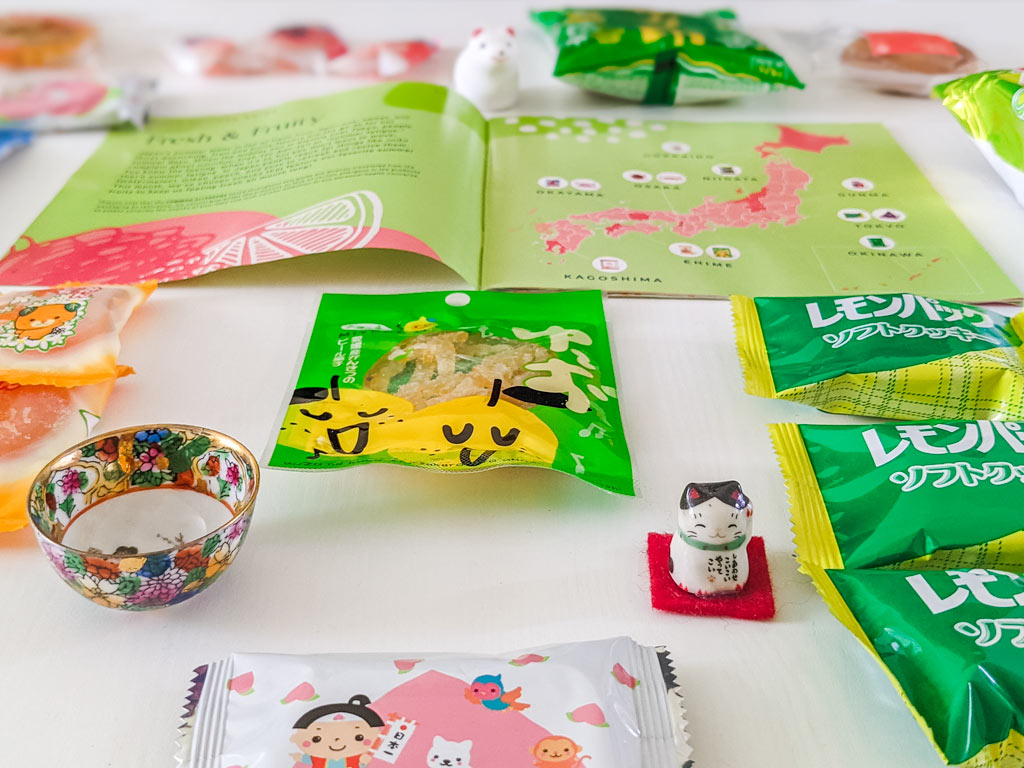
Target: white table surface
x,y
488,562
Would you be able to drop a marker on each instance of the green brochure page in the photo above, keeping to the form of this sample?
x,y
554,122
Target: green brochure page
x,y
647,207
396,167
711,209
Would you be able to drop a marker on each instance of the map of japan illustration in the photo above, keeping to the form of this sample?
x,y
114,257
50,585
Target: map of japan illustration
x,y
713,208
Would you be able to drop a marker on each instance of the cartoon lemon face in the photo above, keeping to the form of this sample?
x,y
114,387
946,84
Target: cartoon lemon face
x,y
461,434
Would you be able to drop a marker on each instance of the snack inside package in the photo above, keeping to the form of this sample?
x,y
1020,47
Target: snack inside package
x,y
662,58
34,40
907,63
924,494
605,701
896,356
990,107
951,642
458,382
67,336
73,101
36,423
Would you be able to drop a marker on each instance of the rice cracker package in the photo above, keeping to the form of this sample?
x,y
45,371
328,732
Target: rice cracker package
x,y
612,702
952,642
67,336
990,107
923,494
36,423
458,382
896,356
662,58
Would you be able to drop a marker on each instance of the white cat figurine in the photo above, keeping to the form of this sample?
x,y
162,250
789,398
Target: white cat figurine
x,y
487,70
449,754
708,555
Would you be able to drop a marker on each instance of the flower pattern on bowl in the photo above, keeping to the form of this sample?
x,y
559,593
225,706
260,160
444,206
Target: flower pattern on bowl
x,y
171,456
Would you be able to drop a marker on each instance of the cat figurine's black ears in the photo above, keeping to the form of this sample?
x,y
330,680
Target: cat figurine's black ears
x,y
728,492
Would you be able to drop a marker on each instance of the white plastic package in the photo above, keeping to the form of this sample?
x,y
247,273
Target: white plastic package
x,y
605,703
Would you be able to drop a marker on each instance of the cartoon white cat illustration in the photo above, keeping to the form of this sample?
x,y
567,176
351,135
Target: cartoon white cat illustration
x,y
708,555
449,754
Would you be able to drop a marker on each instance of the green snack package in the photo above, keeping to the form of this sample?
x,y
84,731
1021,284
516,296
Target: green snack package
x,y
912,495
952,642
458,382
895,356
661,58
990,107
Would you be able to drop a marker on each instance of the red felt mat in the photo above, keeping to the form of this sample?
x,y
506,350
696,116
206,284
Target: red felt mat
x,y
754,602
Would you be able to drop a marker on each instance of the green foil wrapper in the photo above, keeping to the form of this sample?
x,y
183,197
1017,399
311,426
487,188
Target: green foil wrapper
x,y
662,58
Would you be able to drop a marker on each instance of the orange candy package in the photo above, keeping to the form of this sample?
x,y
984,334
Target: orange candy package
x,y
66,336
36,423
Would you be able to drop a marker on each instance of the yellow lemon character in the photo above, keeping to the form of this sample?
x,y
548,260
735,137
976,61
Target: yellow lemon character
x,y
464,433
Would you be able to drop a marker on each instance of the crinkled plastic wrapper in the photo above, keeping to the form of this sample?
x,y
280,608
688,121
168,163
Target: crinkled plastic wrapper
x,y
605,702
36,423
662,58
912,534
952,643
73,101
896,356
67,336
927,494
458,382
990,107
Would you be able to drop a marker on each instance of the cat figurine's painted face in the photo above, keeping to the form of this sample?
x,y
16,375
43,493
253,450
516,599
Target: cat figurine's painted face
x,y
449,754
715,513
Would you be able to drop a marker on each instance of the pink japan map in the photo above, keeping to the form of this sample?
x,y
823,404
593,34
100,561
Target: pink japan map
x,y
709,209
777,202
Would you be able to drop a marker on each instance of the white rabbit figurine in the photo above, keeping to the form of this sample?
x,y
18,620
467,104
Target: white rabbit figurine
x,y
487,70
708,555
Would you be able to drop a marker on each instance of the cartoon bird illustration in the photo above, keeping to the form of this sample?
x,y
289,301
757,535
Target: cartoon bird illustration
x,y
422,324
490,691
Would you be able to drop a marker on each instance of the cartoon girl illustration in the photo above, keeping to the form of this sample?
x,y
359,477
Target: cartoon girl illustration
x,y
336,735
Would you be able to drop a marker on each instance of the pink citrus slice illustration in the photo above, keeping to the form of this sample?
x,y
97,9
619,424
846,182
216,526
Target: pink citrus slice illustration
x,y
341,223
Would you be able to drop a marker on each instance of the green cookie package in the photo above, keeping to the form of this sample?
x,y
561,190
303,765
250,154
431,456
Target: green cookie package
x,y
457,382
953,644
894,356
925,494
913,533
662,58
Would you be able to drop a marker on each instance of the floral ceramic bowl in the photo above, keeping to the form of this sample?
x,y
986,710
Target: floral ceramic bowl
x,y
137,551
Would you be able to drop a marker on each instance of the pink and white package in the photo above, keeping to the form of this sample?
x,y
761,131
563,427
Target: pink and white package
x,y
598,704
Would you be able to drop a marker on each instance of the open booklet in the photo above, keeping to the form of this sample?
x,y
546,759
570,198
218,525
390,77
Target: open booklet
x,y
629,206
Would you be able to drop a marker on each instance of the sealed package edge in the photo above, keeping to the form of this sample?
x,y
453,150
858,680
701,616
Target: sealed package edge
x,y
661,58
922,494
952,643
990,107
610,702
896,356
67,336
458,382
